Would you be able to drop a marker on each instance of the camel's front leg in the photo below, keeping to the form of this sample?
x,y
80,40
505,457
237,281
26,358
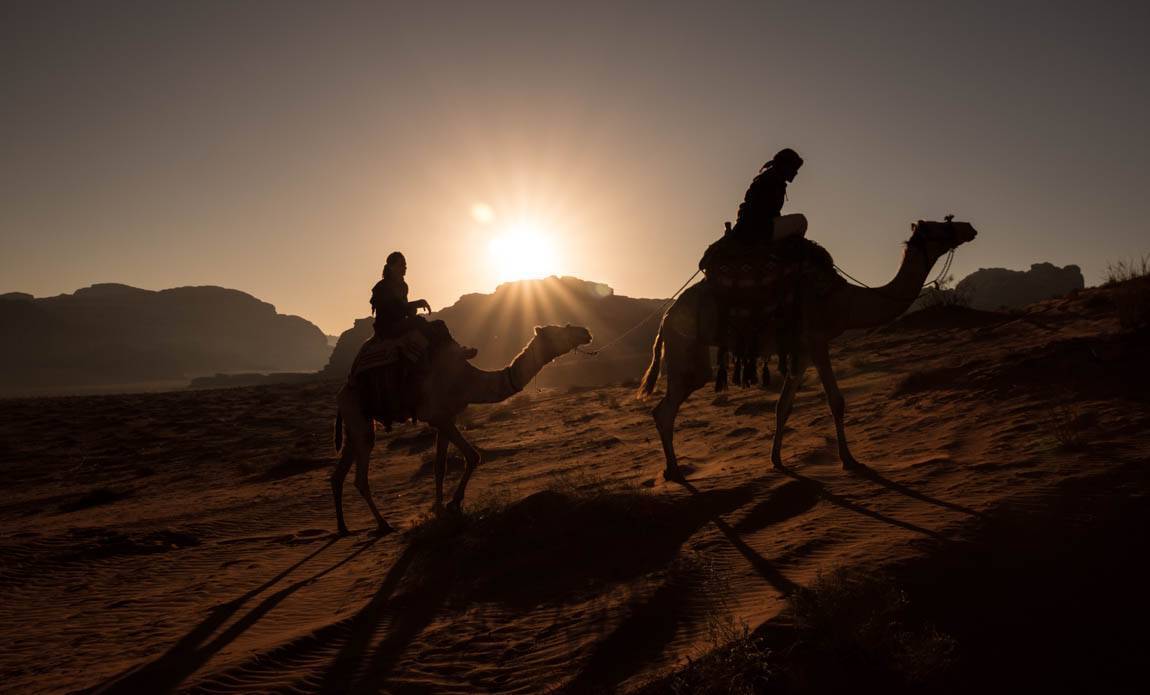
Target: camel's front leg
x,y
363,444
472,458
820,355
783,407
441,444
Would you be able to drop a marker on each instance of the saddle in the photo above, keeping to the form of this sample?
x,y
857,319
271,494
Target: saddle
x,y
387,373
757,285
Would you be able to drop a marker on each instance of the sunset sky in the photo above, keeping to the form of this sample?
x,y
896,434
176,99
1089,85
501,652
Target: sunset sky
x,y
285,148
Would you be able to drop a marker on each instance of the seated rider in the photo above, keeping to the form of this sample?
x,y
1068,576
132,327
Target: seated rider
x,y
760,215
394,315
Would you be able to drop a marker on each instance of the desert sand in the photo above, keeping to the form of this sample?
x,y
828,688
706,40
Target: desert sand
x,y
184,541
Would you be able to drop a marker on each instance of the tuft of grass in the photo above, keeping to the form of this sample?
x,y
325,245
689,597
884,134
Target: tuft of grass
x,y
945,294
1126,270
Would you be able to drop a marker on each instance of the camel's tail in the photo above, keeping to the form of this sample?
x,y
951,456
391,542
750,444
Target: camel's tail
x,y
652,374
338,431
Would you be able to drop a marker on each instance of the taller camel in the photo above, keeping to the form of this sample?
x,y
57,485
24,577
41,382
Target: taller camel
x,y
688,330
451,385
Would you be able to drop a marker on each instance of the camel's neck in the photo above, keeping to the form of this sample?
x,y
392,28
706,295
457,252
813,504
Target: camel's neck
x,y
867,308
492,387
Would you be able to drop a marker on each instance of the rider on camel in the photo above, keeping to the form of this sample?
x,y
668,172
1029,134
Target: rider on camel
x,y
395,315
760,215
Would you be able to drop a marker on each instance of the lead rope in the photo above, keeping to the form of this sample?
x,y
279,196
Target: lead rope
x,y
594,353
936,281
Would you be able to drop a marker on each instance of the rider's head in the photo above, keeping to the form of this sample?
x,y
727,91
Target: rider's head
x,y
787,162
396,265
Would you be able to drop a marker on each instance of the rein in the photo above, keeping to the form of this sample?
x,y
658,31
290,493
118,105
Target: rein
x,y
937,281
579,349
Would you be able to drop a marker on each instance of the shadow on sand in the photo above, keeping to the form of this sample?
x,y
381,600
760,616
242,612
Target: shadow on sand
x,y
191,652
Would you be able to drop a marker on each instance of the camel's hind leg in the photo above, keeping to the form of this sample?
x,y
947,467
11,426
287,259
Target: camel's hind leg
x,y
783,407
682,381
337,478
472,458
820,355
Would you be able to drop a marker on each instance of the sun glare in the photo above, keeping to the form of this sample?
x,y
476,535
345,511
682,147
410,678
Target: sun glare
x,y
522,252
483,213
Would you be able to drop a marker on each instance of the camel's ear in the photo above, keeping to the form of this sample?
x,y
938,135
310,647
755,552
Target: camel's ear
x,y
913,227
538,329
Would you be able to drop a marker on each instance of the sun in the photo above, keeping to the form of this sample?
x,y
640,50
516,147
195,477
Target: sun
x,y
523,251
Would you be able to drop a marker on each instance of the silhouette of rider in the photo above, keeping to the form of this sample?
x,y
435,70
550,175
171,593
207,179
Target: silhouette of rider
x,y
395,315
760,215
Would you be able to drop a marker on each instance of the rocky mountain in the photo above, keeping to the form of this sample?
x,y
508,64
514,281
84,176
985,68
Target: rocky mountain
x,y
111,335
997,288
501,323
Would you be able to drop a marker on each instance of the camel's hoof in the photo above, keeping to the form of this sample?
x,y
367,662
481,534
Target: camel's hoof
x,y
777,464
853,465
674,475
342,531
437,509
455,508
384,528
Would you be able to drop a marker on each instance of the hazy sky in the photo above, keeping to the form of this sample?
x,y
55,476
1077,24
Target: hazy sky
x,y
285,148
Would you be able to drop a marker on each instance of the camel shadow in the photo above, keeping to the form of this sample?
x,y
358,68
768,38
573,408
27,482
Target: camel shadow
x,y
844,503
191,652
653,622
874,476
585,543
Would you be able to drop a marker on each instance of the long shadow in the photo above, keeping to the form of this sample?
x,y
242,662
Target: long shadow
x,y
189,654
761,565
339,677
874,476
844,503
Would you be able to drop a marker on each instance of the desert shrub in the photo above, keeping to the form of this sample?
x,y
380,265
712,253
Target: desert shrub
x,y
1124,271
945,293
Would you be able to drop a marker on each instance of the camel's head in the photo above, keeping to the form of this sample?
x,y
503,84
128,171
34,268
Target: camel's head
x,y
936,238
560,340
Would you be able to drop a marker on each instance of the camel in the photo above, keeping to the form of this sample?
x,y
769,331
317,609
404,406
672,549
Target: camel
x,y
452,385
688,329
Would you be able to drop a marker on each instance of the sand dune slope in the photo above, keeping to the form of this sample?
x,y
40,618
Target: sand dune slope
x,y
182,541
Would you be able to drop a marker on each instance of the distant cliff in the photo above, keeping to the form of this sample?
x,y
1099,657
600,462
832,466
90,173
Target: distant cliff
x,y
996,288
110,334
501,323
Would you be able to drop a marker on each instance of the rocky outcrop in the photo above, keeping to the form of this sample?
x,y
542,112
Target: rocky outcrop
x,y
110,335
998,288
501,323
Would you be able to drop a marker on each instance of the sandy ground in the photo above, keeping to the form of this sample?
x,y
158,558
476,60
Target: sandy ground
x,y
183,540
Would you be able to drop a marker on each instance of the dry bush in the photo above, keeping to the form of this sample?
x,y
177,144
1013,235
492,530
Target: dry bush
x,y
945,294
1124,271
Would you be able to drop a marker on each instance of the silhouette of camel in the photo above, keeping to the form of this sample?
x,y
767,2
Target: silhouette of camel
x,y
689,328
451,385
